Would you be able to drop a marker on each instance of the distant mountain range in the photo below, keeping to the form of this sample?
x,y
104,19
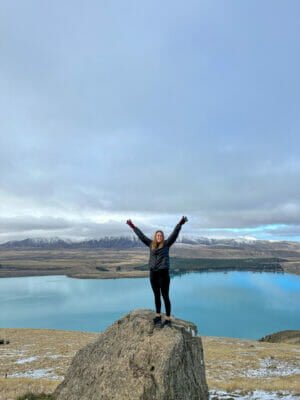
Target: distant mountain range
x,y
125,242
58,243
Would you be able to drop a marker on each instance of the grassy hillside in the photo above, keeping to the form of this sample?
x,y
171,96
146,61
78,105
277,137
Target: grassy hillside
x,y
36,360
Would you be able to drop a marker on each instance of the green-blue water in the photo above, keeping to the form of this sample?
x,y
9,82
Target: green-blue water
x,y
233,304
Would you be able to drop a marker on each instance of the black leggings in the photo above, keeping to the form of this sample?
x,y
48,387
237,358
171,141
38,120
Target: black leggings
x,y
160,283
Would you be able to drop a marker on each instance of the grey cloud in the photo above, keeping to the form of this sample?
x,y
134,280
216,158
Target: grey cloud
x,y
156,109
289,231
28,226
30,223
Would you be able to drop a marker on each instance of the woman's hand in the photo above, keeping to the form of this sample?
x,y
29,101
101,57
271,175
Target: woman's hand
x,y
183,220
130,223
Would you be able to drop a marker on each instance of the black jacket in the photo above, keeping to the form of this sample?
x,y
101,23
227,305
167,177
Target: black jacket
x,y
159,258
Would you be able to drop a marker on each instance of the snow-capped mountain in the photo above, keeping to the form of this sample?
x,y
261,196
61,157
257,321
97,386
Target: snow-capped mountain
x,y
131,241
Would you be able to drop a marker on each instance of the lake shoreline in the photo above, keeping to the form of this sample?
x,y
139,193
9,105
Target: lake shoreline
x,y
132,274
133,263
143,271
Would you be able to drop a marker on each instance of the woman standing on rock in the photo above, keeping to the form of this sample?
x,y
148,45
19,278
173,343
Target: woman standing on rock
x,y
159,265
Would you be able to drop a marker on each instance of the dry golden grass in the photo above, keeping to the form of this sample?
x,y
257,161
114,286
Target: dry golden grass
x,y
12,388
54,350
226,361
45,344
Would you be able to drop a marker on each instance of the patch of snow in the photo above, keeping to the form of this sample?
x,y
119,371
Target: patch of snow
x,y
185,245
191,331
36,374
255,395
11,353
244,239
272,367
57,356
26,360
46,240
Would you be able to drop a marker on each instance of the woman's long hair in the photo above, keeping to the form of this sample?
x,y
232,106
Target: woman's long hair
x,y
154,244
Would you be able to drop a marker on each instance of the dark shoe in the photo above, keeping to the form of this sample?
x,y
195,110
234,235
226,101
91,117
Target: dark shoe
x,y
157,320
167,322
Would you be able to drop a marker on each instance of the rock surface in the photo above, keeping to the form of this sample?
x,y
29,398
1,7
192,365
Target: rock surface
x,y
133,360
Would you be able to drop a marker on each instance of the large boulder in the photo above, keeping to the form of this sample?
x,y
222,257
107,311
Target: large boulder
x,y
133,360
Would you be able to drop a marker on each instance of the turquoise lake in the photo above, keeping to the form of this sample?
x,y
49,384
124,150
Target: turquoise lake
x,y
233,304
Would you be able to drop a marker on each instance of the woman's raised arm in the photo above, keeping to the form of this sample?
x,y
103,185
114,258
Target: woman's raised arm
x,y
139,233
173,236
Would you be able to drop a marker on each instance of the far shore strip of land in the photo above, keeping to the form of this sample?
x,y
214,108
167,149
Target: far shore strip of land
x,y
133,263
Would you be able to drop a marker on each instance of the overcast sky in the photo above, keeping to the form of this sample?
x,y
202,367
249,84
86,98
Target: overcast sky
x,y
149,110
